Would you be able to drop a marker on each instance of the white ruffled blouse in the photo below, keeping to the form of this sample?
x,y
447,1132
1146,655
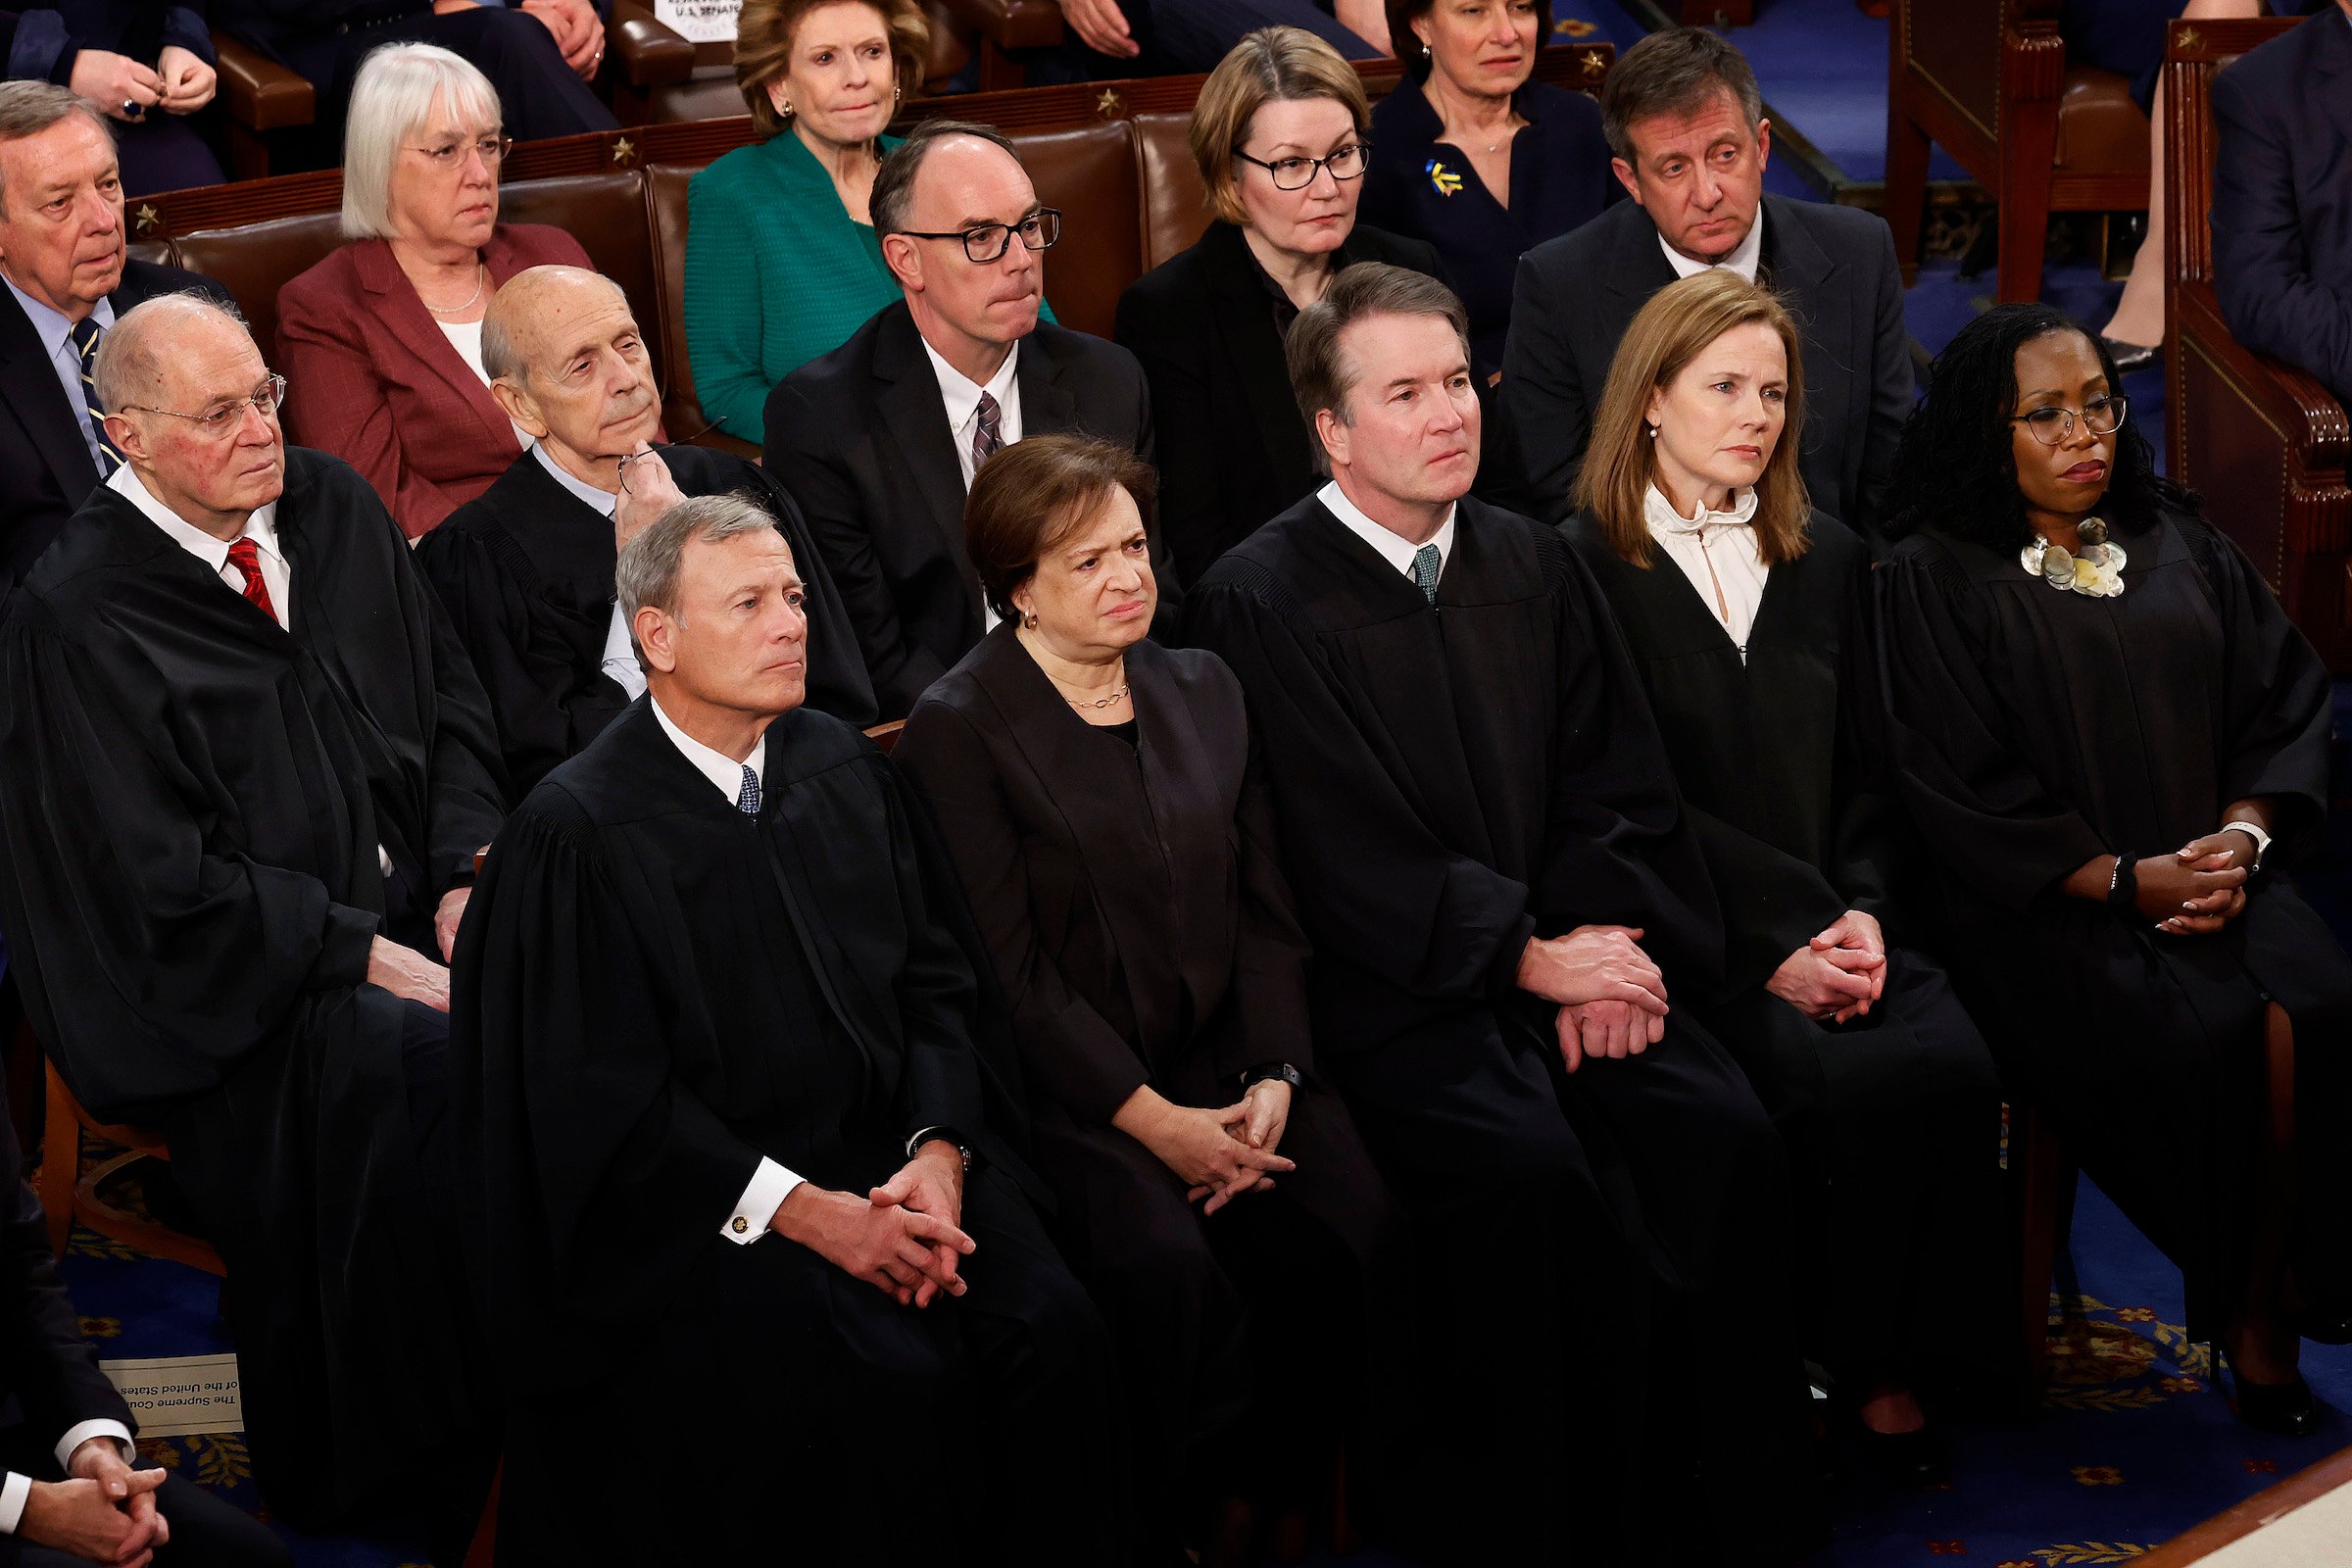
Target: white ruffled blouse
x,y
1717,552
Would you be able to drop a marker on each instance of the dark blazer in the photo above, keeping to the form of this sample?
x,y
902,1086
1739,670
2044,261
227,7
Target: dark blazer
x,y
1234,450
45,1365
1425,189
860,439
1835,266
374,382
1130,896
2282,198
45,466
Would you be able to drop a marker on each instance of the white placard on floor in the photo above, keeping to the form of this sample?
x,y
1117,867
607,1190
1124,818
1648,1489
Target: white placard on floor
x,y
174,1396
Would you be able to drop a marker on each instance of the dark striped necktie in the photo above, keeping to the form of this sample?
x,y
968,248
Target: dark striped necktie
x,y
988,431
86,333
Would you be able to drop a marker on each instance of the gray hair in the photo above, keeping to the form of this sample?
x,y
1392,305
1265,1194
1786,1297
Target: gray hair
x,y
1675,71
648,570
894,182
28,108
128,362
503,358
396,89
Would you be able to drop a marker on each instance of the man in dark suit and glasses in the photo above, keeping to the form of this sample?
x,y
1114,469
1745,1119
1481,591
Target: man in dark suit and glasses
x,y
71,1493
878,440
63,258
1687,124
2282,197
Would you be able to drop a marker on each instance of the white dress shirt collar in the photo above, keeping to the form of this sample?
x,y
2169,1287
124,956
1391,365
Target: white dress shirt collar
x,y
1394,548
723,771
261,527
961,397
600,502
1743,259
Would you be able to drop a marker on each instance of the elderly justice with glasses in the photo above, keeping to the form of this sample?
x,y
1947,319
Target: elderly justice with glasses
x,y
1428,878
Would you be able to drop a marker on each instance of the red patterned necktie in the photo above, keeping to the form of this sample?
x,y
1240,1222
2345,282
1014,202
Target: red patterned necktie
x,y
246,557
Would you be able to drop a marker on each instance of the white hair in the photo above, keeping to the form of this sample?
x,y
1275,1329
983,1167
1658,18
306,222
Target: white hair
x,y
395,91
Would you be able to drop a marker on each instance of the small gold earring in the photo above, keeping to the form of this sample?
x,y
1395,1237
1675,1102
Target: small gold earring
x,y
785,109
895,96
1028,620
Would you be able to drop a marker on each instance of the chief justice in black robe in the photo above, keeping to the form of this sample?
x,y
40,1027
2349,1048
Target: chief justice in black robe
x,y
2185,1031
525,568
714,1039
1467,783
202,787
1747,620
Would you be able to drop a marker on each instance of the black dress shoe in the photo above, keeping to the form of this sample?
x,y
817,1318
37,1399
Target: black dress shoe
x,y
1908,1459
2284,1409
2129,357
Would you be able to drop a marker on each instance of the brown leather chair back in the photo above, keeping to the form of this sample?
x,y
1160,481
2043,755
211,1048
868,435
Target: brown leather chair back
x,y
606,214
666,205
254,261
1089,173
1175,197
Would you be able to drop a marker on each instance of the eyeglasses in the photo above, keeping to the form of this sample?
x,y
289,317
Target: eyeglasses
x,y
988,242
223,419
2052,426
1297,173
448,154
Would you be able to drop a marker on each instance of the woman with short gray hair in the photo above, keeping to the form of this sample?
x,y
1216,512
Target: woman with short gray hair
x,y
384,336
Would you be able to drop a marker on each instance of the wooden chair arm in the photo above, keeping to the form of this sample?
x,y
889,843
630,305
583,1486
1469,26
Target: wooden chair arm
x,y
260,93
2296,404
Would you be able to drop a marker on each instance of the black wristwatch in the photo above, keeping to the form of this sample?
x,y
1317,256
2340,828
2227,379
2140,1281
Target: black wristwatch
x,y
941,1135
1271,1069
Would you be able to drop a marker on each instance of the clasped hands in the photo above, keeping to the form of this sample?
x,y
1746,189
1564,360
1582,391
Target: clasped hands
x,y
105,1515
1611,995
1838,974
2198,888
903,1237
1219,1153
410,974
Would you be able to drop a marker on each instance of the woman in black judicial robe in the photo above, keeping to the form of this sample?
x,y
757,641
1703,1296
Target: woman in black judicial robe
x,y
1096,797
1749,629
2073,755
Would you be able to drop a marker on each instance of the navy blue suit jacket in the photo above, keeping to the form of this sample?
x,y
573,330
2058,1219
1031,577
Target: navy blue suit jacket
x,y
2282,198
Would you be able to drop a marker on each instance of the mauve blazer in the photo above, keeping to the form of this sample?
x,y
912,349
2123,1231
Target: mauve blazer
x,y
372,379
1130,897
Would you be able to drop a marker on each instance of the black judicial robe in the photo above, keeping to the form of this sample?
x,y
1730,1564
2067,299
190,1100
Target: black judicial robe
x,y
2034,729
192,800
1448,781
653,991
525,570
1891,1118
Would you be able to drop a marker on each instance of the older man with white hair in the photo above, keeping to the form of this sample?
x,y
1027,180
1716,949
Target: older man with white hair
x,y
244,772
525,568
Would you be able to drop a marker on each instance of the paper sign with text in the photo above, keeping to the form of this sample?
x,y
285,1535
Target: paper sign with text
x,y
174,1396
699,21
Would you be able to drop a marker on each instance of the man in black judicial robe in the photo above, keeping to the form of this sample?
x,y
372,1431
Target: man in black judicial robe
x,y
525,568
715,961
1474,807
244,769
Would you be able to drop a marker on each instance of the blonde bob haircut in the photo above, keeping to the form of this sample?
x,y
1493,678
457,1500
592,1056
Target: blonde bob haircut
x,y
765,30
1271,65
1678,326
391,99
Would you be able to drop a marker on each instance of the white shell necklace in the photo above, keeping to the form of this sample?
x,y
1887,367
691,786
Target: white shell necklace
x,y
2094,569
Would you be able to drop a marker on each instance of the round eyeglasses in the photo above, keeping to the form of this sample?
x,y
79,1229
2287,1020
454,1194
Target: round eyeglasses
x,y
1297,173
988,242
227,417
2053,426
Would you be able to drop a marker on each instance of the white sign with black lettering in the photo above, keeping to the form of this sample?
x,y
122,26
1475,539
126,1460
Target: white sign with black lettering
x,y
699,21
174,1396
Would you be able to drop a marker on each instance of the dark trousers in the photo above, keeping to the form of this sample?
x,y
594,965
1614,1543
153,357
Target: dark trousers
x,y
1612,1370
1186,36
1892,1123
812,1410
537,92
1251,1340
165,152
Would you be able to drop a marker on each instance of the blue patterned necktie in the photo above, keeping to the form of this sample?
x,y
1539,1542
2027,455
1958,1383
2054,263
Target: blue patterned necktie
x,y
1425,571
748,803
86,333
